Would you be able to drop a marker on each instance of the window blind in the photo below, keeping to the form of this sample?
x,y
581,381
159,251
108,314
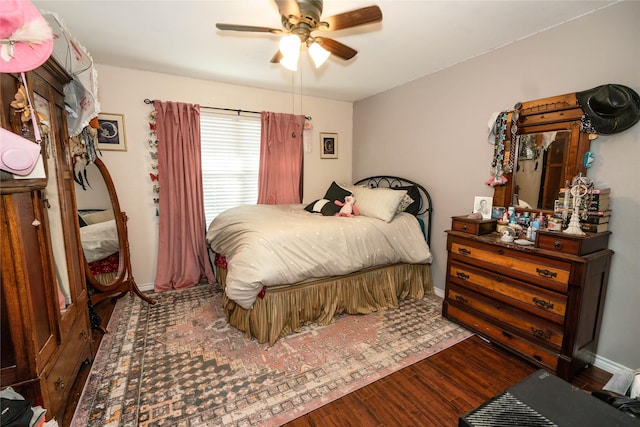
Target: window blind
x,y
230,150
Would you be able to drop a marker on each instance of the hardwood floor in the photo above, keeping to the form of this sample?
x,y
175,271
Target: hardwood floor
x,y
436,391
433,392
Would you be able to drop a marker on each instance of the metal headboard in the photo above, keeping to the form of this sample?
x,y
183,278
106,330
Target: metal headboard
x,y
426,206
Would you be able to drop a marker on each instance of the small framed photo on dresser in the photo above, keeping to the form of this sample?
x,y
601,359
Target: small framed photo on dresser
x,y
484,205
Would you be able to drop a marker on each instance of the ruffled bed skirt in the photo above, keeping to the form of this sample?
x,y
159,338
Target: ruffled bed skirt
x,y
285,309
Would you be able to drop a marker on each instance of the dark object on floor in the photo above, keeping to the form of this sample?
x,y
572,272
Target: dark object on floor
x,y
15,413
543,399
619,401
94,318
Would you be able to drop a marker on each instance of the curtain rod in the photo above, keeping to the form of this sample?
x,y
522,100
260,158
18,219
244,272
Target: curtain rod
x,y
148,101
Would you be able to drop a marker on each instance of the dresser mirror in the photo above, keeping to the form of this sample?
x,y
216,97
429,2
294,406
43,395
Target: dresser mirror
x,y
103,234
540,169
51,201
550,150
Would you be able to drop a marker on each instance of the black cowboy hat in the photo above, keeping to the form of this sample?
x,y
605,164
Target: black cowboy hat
x,y
610,108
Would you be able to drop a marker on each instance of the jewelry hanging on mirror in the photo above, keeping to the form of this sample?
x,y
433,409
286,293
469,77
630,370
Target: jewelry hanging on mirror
x,y
497,172
511,153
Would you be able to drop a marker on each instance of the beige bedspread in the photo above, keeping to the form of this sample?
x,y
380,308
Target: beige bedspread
x,y
268,245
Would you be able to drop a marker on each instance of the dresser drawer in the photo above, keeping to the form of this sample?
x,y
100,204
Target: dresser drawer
x,y
529,350
534,299
572,244
551,273
546,333
62,374
473,226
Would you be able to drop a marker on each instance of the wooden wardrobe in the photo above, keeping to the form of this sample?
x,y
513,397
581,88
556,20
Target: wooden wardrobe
x,y
45,332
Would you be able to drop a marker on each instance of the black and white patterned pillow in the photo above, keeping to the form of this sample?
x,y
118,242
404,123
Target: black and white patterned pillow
x,y
336,192
323,206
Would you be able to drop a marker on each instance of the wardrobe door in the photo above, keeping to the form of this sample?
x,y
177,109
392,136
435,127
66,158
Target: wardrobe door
x,y
59,202
29,327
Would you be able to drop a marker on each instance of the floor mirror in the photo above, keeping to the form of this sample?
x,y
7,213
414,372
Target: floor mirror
x,y
104,237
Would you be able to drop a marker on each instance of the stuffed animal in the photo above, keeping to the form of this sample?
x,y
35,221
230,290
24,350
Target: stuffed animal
x,y
348,208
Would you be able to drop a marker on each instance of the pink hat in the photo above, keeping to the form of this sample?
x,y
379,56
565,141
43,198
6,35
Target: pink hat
x,y
26,40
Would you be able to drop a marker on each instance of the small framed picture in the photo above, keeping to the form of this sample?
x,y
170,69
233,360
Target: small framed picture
x,y
483,205
328,145
497,212
111,134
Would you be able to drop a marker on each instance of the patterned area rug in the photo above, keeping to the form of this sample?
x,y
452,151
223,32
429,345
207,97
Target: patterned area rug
x,y
178,363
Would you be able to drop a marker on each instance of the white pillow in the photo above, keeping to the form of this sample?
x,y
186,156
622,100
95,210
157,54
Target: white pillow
x,y
381,203
99,240
97,217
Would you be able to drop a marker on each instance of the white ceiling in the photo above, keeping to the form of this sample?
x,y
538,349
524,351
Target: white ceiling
x,y
416,38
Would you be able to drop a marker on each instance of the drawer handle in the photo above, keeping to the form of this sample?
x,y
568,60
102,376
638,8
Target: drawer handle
x,y
462,275
464,251
500,252
84,334
546,273
498,279
59,384
541,333
464,227
461,299
542,303
557,245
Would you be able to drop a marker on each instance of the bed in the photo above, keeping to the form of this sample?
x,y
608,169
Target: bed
x,y
100,244
283,266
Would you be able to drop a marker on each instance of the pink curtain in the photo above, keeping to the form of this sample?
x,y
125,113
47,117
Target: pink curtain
x,y
280,173
183,259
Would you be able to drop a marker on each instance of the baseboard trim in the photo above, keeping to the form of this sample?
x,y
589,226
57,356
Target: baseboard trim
x,y
439,292
609,365
146,287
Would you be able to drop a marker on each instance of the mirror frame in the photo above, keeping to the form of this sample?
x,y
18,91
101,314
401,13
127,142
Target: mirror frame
x,y
124,281
557,113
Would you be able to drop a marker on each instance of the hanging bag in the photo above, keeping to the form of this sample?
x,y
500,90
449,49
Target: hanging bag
x,y
19,155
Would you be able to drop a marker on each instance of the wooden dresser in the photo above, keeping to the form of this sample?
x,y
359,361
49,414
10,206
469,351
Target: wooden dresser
x,y
46,334
543,302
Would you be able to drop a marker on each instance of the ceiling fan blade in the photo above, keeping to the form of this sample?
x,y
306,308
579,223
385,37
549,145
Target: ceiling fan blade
x,y
366,15
233,27
276,58
335,47
288,8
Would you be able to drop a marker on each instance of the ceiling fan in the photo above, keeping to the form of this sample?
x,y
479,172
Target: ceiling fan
x,y
301,18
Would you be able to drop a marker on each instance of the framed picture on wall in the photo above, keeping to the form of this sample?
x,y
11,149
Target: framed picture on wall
x,y
328,145
111,134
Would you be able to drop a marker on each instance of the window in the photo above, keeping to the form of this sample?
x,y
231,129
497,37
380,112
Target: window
x,y
230,160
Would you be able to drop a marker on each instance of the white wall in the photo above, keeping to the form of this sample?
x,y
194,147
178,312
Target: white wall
x,y
123,91
434,131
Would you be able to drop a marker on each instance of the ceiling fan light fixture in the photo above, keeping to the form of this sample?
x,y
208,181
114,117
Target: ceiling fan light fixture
x,y
290,46
318,54
290,62
300,19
